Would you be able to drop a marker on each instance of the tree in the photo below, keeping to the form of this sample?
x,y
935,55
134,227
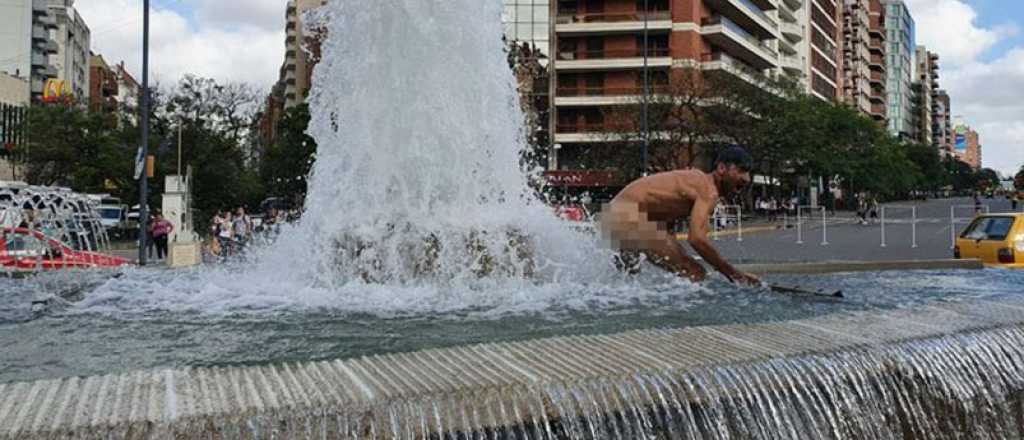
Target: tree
x,y
286,164
1018,180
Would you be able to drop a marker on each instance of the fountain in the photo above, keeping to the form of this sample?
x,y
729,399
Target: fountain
x,y
427,294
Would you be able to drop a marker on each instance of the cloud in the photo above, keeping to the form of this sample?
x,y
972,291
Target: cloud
x,y
986,93
243,46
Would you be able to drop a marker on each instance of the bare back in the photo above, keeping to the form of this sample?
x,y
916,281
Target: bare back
x,y
670,195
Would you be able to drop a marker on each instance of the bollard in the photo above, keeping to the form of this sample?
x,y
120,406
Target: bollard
x,y
883,226
824,227
913,227
799,227
739,223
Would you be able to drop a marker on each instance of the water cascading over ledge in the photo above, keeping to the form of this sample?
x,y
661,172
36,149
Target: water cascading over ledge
x,y
945,371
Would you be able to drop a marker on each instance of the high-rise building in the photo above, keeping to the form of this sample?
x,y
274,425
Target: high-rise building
x,y
529,21
26,43
927,95
942,127
899,70
73,41
599,59
14,98
857,73
819,23
299,57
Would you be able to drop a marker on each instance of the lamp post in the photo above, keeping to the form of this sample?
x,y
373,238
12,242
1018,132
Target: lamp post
x,y
143,183
643,106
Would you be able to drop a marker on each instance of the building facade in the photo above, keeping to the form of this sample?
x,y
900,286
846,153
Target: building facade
x,y
599,59
73,39
822,21
26,44
899,70
856,58
966,143
14,100
102,85
299,62
942,126
529,21
927,95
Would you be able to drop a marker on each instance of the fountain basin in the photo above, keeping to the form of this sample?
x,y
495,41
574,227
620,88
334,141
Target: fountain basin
x,y
549,387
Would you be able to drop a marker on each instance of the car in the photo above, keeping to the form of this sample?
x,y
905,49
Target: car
x,y
24,250
995,239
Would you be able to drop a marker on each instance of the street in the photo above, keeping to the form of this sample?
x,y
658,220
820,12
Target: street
x,y
850,241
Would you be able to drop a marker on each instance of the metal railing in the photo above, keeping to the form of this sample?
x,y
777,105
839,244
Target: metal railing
x,y
608,91
611,53
612,17
735,28
913,222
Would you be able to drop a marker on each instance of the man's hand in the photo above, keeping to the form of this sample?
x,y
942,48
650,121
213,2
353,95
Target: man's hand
x,y
746,279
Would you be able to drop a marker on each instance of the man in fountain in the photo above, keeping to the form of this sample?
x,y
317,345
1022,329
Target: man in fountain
x,y
637,219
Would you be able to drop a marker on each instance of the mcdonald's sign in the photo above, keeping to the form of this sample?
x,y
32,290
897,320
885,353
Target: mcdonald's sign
x,y
57,90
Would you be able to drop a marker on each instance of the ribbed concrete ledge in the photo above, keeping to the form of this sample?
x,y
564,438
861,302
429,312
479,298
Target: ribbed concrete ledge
x,y
860,266
442,390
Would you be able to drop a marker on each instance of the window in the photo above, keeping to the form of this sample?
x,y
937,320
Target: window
x,y
989,229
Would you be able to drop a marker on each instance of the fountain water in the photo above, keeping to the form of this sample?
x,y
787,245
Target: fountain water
x,y
416,178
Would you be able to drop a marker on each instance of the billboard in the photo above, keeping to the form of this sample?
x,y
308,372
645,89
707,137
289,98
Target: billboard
x,y
960,138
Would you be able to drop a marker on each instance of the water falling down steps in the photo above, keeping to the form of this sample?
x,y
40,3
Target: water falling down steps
x,y
949,370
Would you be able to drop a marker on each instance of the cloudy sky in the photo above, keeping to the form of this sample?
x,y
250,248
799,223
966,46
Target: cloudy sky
x,y
979,41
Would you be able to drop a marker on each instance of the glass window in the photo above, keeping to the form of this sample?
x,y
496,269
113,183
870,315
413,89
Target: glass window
x,y
989,229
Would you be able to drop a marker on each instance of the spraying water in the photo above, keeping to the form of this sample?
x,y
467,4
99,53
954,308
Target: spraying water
x,y
420,133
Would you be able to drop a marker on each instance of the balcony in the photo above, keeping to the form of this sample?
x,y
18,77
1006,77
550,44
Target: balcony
x,y
722,62
613,23
289,54
50,47
793,31
612,59
40,60
877,62
786,48
748,15
40,7
729,36
793,64
602,96
793,5
766,5
40,34
877,79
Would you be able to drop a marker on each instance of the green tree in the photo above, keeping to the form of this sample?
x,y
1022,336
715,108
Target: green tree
x,y
1018,180
286,164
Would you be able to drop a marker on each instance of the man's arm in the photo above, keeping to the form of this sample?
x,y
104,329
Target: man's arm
x,y
698,238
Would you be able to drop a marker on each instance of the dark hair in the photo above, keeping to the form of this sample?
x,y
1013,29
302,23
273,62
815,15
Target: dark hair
x,y
736,155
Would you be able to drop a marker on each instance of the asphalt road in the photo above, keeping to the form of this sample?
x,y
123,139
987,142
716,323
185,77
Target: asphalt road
x,y
849,241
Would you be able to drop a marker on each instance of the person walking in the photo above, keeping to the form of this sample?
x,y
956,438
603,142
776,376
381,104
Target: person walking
x,y
162,229
242,227
225,235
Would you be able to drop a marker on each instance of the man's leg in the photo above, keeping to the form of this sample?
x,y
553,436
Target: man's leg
x,y
668,254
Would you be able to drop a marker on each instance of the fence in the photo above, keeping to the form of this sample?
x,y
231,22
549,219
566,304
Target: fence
x,y
800,223
722,217
913,222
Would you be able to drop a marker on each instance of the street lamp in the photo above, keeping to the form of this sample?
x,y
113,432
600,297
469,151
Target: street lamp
x,y
643,106
143,177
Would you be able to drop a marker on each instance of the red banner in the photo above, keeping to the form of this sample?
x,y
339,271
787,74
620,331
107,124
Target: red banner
x,y
579,178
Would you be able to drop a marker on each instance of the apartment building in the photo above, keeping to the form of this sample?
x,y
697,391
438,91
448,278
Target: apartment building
x,y
14,98
26,43
599,58
102,85
899,72
299,62
877,61
942,127
857,56
529,21
73,40
966,143
821,21
928,93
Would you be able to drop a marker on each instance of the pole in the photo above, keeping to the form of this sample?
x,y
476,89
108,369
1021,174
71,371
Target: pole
x,y
799,227
643,107
883,226
824,226
739,222
143,179
179,149
952,227
913,227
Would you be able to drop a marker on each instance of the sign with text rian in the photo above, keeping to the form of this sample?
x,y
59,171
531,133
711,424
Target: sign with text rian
x,y
579,178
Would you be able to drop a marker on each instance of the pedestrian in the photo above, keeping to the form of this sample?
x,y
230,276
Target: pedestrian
x,y
225,234
1014,198
873,208
977,202
162,229
242,227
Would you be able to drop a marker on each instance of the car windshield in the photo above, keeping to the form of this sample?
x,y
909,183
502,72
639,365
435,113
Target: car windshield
x,y
989,228
110,213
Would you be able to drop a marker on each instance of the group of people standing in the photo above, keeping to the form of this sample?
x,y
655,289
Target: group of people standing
x,y
772,207
231,232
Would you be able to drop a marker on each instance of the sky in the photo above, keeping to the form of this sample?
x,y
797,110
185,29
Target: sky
x,y
979,42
